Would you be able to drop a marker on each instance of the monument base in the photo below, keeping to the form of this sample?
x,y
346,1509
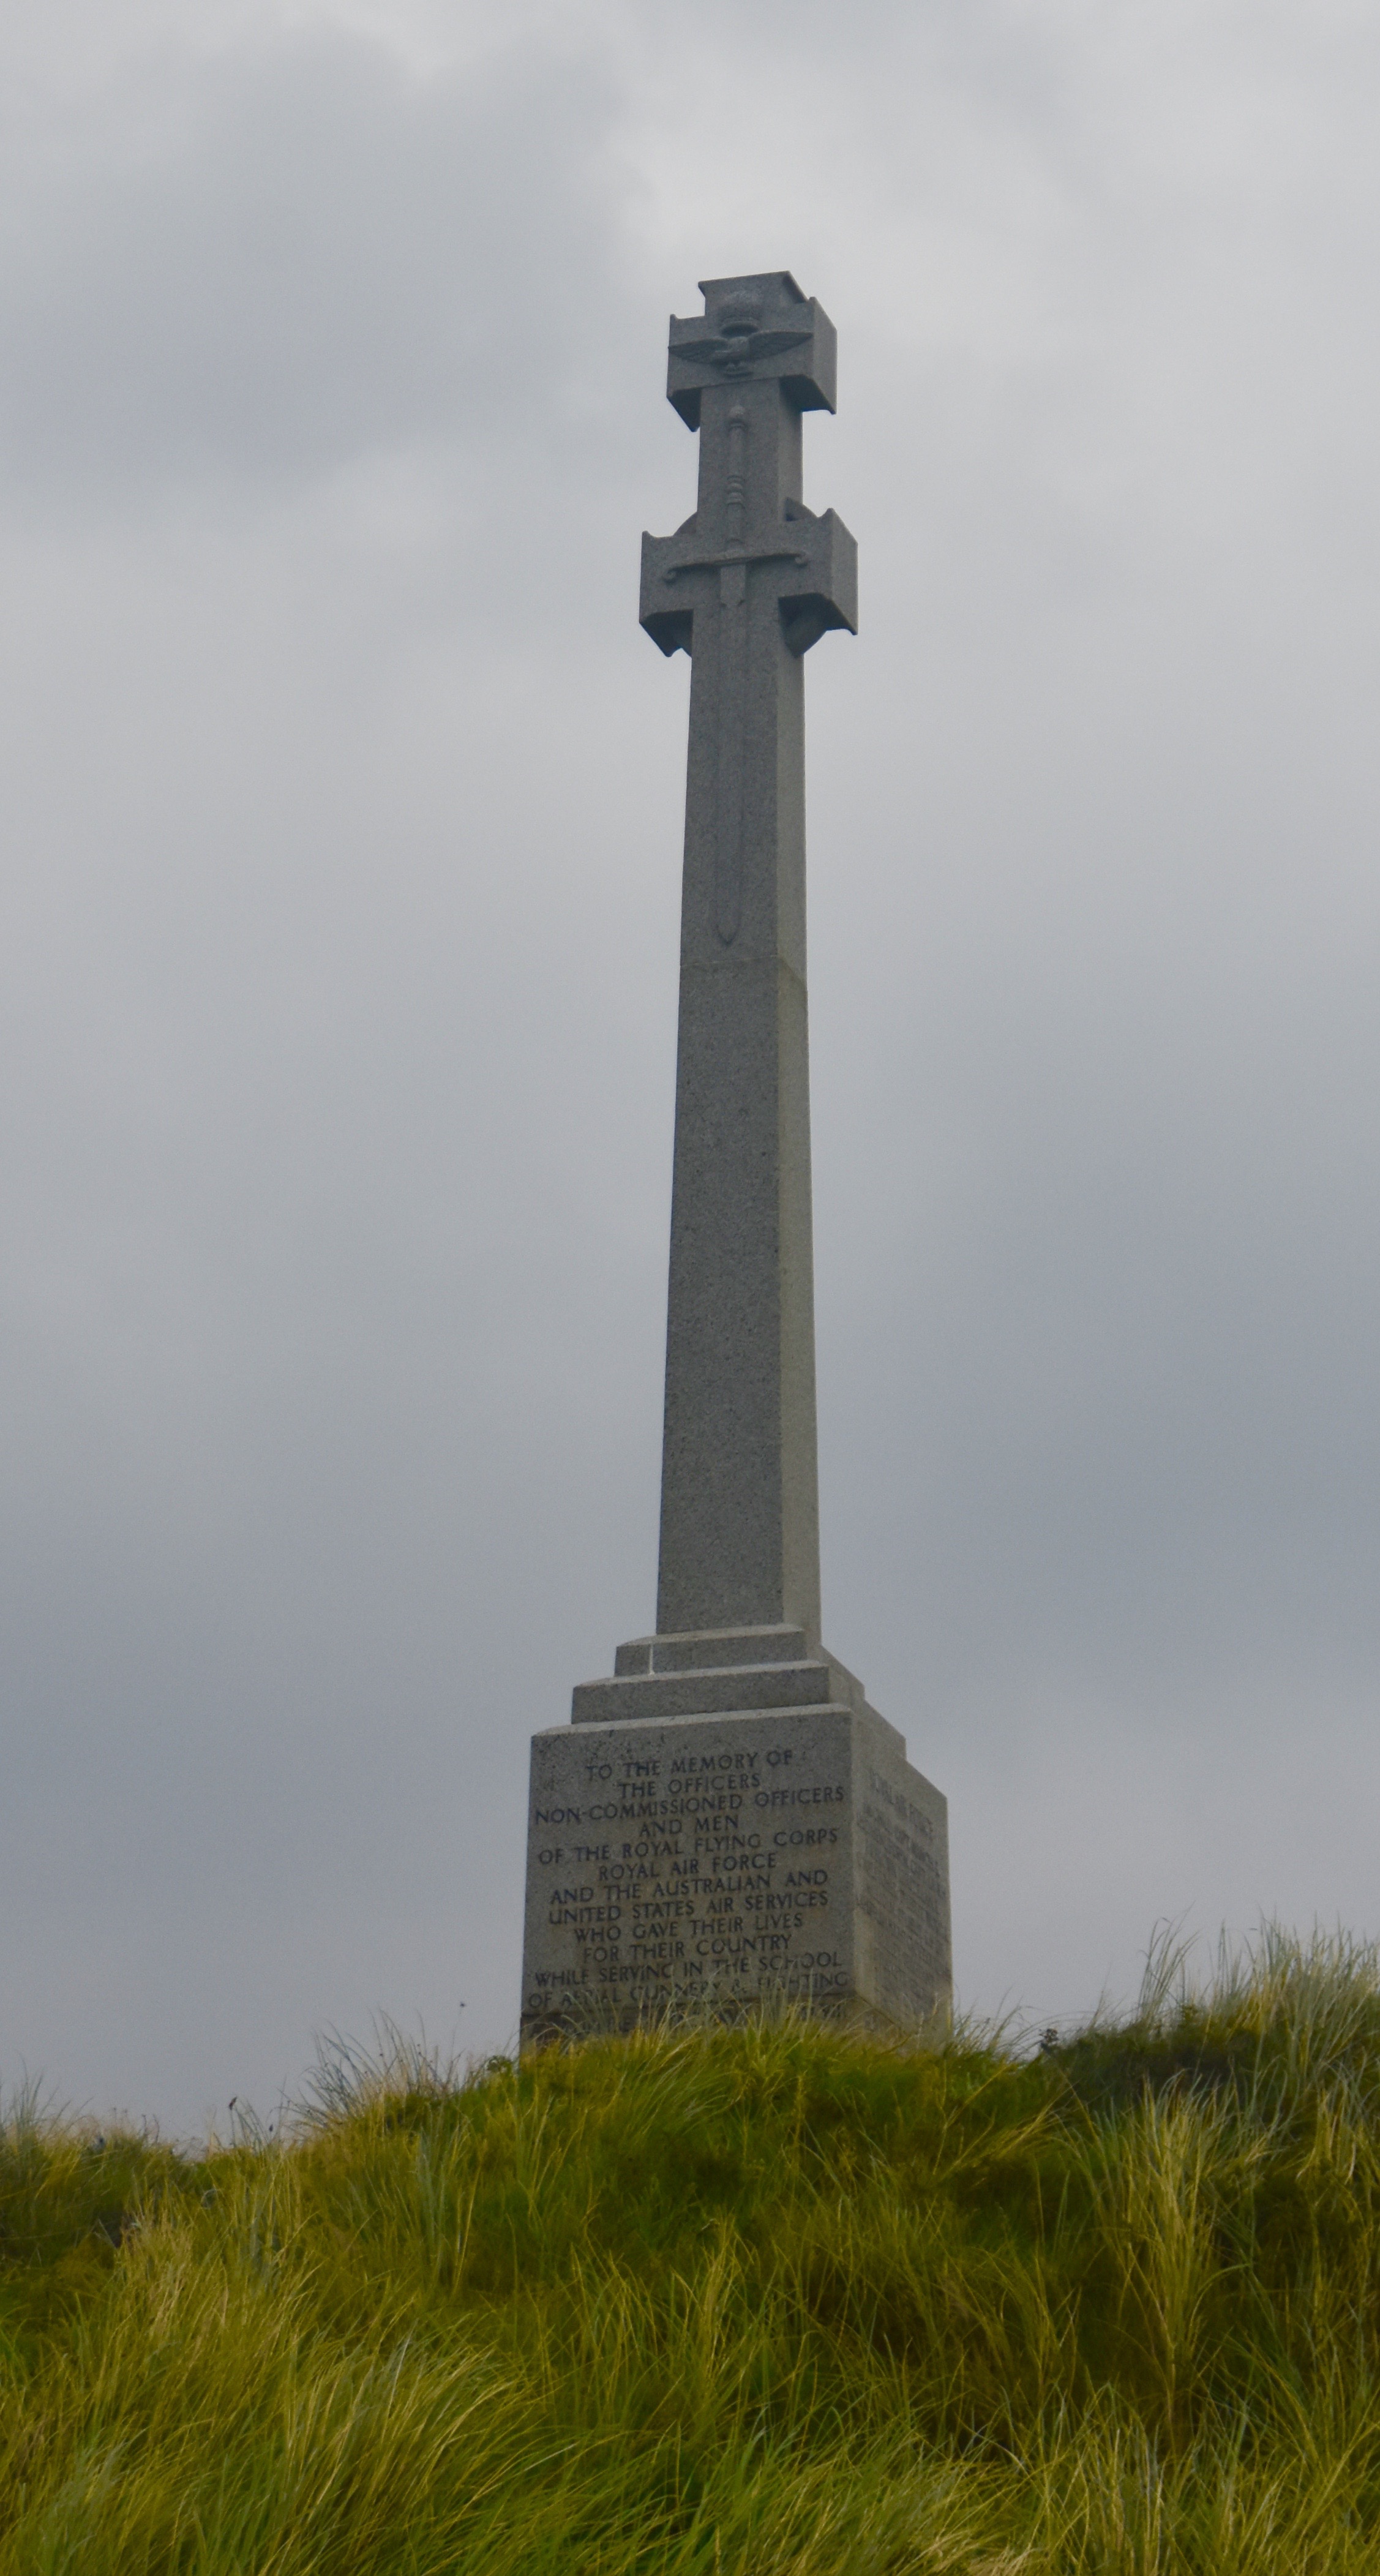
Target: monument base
x,y
718,1833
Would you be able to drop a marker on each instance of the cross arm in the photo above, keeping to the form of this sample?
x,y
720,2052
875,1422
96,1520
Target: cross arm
x,y
813,568
753,327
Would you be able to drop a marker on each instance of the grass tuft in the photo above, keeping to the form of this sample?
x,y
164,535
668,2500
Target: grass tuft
x,y
772,2298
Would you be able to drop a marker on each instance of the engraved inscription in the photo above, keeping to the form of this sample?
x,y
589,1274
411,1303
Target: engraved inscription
x,y
904,1893
726,1860
707,1860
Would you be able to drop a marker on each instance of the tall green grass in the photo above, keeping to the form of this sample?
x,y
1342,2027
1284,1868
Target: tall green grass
x,y
771,2298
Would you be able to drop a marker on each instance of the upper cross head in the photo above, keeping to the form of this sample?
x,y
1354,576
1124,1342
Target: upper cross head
x,y
753,327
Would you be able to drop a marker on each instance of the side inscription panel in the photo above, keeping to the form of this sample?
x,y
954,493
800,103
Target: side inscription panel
x,y
901,1865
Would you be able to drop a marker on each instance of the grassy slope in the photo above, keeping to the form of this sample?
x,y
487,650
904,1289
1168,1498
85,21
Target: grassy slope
x,y
768,2299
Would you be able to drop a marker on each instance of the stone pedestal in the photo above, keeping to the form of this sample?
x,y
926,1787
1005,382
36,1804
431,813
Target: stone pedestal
x,y
718,1831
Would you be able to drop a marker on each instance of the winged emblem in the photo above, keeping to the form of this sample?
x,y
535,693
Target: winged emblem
x,y
736,353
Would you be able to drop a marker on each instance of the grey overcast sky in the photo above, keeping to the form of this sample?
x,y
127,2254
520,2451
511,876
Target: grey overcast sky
x,y
341,803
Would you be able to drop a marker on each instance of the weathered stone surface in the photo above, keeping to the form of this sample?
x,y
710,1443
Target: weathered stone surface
x,y
815,1813
732,1861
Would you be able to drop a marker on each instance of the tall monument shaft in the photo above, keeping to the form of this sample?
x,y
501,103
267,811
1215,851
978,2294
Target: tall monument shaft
x,y
739,1494
728,1819
746,586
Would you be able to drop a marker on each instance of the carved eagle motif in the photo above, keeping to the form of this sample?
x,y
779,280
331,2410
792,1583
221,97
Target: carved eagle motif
x,y
738,355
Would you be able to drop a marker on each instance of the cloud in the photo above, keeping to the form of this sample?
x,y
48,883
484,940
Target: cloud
x,y
342,804
312,254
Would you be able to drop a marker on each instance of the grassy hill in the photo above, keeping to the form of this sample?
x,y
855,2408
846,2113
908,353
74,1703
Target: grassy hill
x,y
770,2299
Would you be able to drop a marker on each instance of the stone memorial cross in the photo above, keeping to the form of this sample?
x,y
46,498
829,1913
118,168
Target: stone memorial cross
x,y
745,587
729,1821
